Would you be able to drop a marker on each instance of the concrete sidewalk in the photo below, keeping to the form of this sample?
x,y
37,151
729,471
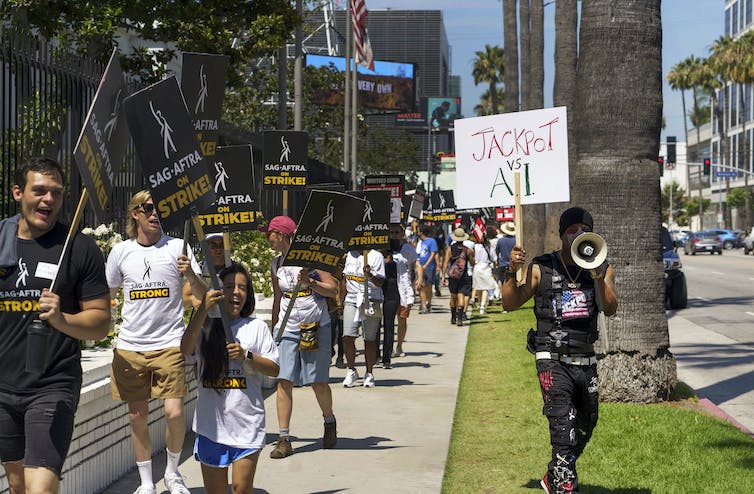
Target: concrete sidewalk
x,y
391,438
719,369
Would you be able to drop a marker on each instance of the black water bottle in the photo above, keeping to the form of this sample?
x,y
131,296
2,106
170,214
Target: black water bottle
x,y
37,336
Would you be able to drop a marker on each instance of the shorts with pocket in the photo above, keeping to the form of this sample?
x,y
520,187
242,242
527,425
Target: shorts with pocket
x,y
139,376
37,428
370,325
304,368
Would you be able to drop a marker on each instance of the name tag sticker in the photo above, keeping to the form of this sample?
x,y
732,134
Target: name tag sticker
x,y
46,270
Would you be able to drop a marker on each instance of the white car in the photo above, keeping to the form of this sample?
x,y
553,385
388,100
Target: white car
x,y
749,242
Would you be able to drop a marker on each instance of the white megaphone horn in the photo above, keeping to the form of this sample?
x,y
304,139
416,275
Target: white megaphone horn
x,y
589,250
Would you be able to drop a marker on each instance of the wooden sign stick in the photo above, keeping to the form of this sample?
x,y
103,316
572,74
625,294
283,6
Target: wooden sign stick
x,y
519,222
71,232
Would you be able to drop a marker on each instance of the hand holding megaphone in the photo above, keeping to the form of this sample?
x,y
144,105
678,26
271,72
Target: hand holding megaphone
x,y
589,251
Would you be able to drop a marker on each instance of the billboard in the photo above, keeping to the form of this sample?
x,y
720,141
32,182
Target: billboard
x,y
389,87
441,113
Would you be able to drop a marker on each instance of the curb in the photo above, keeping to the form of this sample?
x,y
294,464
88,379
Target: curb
x,y
718,412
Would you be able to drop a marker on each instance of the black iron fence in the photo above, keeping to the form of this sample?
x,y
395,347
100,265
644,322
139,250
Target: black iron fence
x,y
45,94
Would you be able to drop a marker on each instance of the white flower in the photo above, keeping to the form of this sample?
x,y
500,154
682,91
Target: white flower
x,y
101,230
87,231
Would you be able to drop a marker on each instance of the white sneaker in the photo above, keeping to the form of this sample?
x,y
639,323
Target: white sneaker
x,y
368,380
482,310
144,489
351,377
174,484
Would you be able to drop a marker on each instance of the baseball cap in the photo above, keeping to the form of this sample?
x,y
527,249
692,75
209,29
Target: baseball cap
x,y
282,224
210,236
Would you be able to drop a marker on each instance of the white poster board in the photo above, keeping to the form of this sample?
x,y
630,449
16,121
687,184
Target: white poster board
x,y
489,150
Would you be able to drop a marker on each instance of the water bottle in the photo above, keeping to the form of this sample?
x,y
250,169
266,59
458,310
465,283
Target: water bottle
x,y
37,335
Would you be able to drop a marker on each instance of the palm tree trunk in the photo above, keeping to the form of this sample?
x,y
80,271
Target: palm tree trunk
x,y
618,116
524,24
698,158
493,97
686,140
742,119
724,149
564,94
510,48
537,50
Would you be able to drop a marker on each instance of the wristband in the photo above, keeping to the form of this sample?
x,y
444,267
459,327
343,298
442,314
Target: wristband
x,y
249,356
509,274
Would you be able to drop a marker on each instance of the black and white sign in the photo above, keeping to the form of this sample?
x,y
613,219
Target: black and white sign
x,y
284,155
176,172
326,226
374,229
102,144
235,207
396,184
417,203
203,85
441,206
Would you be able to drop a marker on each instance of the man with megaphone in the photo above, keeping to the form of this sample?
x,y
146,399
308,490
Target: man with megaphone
x,y
570,287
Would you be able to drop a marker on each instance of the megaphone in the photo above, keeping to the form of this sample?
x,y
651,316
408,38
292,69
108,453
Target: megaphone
x,y
589,250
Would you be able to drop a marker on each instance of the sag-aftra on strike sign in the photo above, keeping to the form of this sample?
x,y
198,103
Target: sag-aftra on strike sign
x,y
176,172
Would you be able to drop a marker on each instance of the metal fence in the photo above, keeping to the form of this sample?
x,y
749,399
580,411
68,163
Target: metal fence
x,y
45,94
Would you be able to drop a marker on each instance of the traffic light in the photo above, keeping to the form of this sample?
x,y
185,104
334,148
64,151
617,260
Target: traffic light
x,y
436,165
707,166
661,162
670,142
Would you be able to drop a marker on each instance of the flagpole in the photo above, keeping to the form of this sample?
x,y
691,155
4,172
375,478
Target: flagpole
x,y
347,99
354,122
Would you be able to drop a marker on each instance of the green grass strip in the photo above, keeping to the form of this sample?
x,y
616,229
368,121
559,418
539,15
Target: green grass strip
x,y
500,442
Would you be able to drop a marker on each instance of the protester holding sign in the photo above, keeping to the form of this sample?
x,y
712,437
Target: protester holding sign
x,y
147,362
230,419
305,345
37,410
361,291
567,302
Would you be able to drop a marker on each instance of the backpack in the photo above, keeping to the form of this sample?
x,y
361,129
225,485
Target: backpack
x,y
458,260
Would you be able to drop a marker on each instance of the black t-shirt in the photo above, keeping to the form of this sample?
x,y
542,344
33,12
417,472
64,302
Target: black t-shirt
x,y
81,278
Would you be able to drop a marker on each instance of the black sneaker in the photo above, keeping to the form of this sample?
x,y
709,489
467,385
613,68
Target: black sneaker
x,y
459,317
330,438
452,316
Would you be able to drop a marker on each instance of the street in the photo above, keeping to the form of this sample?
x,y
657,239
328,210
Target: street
x,y
721,293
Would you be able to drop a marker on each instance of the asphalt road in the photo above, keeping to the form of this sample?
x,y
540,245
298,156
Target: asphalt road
x,y
721,293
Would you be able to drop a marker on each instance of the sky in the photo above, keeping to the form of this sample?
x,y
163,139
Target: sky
x,y
689,28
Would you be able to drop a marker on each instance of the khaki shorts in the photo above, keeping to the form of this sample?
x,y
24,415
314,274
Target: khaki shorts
x,y
139,376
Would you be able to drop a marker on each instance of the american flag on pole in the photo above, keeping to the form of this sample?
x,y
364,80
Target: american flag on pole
x,y
363,49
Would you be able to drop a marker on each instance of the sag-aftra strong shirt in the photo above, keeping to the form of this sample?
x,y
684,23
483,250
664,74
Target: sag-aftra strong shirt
x,y
81,278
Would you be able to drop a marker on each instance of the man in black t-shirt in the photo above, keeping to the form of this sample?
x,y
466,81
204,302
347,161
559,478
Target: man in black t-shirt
x,y
37,410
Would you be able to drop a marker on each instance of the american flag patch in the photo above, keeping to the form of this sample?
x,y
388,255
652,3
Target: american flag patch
x,y
576,303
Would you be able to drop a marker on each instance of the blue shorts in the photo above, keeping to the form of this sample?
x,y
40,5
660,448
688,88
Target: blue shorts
x,y
304,368
428,276
213,454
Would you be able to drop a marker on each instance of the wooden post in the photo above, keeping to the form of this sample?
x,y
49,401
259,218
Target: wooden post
x,y
71,232
519,222
226,246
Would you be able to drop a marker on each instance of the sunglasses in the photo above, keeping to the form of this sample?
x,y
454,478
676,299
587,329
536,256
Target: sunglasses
x,y
215,245
147,208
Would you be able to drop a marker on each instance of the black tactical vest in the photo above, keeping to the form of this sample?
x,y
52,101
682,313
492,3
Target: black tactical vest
x,y
550,306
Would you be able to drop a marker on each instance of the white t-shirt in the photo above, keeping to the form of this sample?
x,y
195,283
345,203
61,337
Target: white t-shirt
x,y
309,306
353,272
469,244
480,254
234,416
152,292
407,257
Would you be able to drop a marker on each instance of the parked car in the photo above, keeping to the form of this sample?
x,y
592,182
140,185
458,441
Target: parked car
x,y
749,242
728,237
675,281
680,236
703,242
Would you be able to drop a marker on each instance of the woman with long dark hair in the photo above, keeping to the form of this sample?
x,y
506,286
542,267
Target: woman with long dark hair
x,y
229,418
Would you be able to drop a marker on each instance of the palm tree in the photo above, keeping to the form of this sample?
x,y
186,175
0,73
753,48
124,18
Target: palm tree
x,y
536,53
489,68
679,80
485,103
564,94
617,130
742,73
722,62
510,48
